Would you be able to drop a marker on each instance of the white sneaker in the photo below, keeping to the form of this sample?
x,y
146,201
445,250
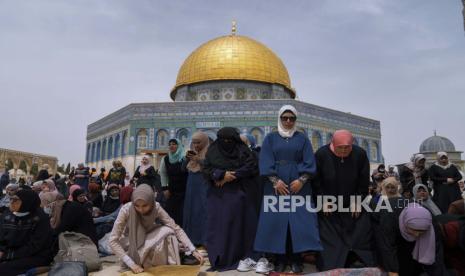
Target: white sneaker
x,y
246,265
263,266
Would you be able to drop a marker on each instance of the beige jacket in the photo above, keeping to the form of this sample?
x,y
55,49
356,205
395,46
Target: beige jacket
x,y
120,231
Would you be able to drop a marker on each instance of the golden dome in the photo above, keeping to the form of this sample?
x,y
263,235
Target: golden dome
x,y
233,57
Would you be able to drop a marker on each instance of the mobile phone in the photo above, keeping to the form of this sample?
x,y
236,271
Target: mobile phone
x,y
191,152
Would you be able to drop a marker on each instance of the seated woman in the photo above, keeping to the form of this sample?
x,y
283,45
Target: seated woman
x,y
47,199
79,196
111,202
95,194
72,216
153,237
25,235
422,196
48,186
104,224
408,243
10,190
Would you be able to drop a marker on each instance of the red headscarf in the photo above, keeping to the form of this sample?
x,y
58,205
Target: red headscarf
x,y
341,137
125,194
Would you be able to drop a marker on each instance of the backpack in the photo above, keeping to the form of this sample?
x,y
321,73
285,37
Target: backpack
x,y
76,247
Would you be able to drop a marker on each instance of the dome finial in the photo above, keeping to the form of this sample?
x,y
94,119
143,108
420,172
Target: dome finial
x,y
435,133
234,27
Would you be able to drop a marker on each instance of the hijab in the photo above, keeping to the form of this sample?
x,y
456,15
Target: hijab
x,y
111,203
232,155
428,204
283,132
179,154
195,164
71,191
125,194
49,184
417,217
144,167
439,156
5,201
47,198
390,181
76,193
341,137
228,141
139,225
30,201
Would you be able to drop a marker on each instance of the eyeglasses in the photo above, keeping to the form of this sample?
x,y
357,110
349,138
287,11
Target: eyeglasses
x,y
288,118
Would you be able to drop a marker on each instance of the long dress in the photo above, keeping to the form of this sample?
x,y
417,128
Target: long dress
x,y
177,178
445,193
340,233
232,221
195,208
288,159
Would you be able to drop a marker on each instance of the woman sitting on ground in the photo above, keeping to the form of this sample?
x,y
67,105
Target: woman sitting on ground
x,y
104,224
25,235
111,202
79,196
153,236
11,190
67,215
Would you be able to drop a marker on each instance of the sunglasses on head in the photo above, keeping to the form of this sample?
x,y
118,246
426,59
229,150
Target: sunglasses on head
x,y
288,118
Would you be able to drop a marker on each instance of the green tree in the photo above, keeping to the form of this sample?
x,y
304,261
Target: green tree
x,y
61,169
34,169
8,165
68,168
23,166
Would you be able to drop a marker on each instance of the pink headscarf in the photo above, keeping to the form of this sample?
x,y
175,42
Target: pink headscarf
x,y
71,191
341,137
419,218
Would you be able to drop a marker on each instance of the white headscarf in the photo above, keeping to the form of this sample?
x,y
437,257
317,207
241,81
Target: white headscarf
x,y
439,156
286,133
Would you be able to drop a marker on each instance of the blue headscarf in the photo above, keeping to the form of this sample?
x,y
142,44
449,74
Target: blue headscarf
x,y
252,141
179,154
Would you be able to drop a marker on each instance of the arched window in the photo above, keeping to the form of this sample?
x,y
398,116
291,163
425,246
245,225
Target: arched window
x,y
110,148
93,153
162,139
99,148
183,136
142,139
116,152
316,140
88,153
104,149
258,134
374,151
124,143
366,147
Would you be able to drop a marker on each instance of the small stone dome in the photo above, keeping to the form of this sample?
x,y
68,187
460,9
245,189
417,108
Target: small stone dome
x,y
437,143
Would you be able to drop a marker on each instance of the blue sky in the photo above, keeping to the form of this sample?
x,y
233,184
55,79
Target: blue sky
x,y
65,64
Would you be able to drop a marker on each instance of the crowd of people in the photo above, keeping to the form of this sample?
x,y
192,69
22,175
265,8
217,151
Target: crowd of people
x,y
211,198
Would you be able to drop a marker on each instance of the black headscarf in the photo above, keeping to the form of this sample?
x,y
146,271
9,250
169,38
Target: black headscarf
x,y
228,155
229,142
30,201
77,193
